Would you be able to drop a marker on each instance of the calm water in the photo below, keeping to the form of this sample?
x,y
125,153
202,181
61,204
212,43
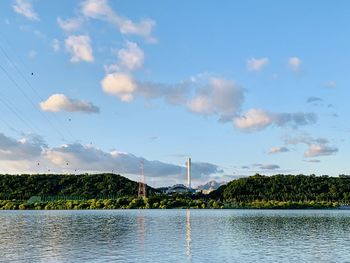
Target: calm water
x,y
175,236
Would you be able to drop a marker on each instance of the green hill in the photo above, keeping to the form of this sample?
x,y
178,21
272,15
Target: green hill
x,y
285,188
83,185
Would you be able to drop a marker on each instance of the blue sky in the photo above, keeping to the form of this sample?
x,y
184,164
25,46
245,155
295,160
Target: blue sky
x,y
241,87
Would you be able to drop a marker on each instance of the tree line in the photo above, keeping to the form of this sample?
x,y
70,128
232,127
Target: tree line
x,y
22,187
112,191
285,188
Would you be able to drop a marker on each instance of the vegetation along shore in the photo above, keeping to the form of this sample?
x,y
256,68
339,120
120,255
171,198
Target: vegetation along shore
x,y
111,191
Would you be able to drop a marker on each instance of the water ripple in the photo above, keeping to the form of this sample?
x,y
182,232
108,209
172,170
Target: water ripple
x,y
175,236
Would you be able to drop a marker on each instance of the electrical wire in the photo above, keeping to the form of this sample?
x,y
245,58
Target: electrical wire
x,y
32,88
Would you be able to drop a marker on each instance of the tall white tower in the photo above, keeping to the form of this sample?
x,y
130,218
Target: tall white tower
x,y
189,173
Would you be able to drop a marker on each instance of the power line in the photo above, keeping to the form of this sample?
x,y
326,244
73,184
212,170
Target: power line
x,y
6,123
34,91
30,85
30,101
23,76
16,113
10,45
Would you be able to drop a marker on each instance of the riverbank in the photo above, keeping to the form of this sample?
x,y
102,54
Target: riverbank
x,y
154,203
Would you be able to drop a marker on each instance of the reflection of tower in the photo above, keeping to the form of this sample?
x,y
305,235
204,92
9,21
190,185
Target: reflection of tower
x,y
141,228
188,235
189,173
142,185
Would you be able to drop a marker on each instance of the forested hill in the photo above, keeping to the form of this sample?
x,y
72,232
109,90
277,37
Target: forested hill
x,y
83,185
285,188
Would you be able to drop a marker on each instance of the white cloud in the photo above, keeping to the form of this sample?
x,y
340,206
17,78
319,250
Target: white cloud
x,y
60,102
119,84
131,57
254,120
205,96
315,150
256,64
29,148
123,86
294,63
316,146
217,96
258,119
100,9
69,25
94,159
201,104
56,46
80,48
25,8
30,154
274,150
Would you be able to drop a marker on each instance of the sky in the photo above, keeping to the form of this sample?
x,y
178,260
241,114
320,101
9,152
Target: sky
x,y
241,87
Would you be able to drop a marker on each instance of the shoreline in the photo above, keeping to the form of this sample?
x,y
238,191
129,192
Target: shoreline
x,y
157,203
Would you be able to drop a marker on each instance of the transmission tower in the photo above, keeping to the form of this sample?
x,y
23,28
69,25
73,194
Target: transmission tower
x,y
142,185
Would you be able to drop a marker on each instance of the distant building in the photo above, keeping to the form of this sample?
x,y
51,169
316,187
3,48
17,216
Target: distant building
x,y
178,189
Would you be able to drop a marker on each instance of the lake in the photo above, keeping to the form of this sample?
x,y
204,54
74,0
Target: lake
x,y
175,236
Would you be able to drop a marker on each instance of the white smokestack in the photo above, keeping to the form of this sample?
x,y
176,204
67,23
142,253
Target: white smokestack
x,y
189,173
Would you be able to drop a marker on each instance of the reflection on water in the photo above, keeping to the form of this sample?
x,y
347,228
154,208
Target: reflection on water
x,y
188,235
141,229
175,236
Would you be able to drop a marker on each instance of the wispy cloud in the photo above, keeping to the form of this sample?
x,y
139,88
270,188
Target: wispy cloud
x,y
205,96
130,58
295,63
219,96
269,167
262,166
56,45
330,84
315,146
70,25
79,48
100,9
32,54
257,64
312,161
25,8
313,99
315,150
275,150
258,119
